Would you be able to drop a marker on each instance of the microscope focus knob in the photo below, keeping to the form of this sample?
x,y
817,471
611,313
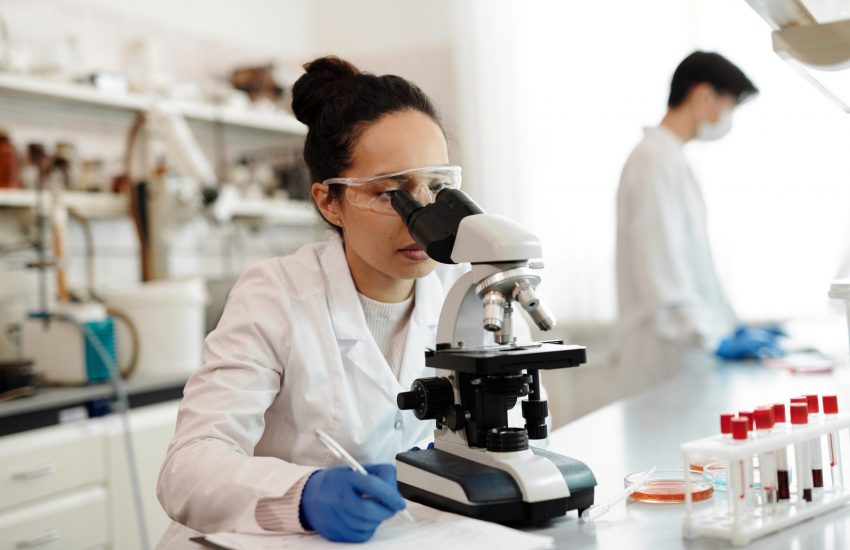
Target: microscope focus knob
x,y
507,440
428,398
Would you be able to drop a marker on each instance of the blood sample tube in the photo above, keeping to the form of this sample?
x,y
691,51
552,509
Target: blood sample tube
x,y
803,467
767,460
726,425
830,411
782,491
815,453
740,470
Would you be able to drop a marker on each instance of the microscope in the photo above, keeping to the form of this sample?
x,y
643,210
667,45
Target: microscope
x,y
480,466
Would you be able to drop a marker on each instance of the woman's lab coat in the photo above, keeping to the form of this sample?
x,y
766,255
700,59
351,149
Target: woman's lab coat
x,y
291,353
672,308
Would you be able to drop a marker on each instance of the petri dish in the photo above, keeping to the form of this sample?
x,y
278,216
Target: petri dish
x,y
668,486
698,464
716,473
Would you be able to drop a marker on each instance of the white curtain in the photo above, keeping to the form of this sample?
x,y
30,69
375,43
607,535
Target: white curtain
x,y
553,96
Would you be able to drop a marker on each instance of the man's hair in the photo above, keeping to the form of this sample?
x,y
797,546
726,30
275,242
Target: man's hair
x,y
713,69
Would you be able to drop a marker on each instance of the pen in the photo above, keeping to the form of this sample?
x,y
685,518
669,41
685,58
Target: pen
x,y
343,455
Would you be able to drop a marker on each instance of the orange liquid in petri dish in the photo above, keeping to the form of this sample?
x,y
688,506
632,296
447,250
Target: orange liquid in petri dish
x,y
671,490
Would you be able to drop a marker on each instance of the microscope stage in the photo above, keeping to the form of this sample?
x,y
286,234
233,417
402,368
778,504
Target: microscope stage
x,y
505,359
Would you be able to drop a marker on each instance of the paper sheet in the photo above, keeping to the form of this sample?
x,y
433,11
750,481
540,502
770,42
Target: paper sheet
x,y
433,529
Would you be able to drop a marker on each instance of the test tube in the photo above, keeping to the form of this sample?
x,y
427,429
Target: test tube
x,y
740,470
830,411
816,452
767,460
726,425
799,418
783,492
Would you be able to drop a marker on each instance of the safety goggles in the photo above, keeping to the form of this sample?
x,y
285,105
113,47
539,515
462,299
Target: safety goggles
x,y
375,193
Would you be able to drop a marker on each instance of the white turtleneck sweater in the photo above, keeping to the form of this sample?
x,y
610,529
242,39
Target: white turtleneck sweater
x,y
388,324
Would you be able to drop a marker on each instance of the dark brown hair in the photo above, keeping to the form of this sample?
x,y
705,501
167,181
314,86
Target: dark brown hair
x,y
713,68
337,102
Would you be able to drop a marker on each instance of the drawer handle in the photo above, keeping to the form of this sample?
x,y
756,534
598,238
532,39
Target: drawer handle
x,y
40,540
40,471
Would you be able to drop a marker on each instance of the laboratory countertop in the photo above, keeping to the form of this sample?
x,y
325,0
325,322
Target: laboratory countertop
x,y
645,430
52,405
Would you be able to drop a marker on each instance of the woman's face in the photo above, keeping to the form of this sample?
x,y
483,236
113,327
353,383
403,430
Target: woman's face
x,y
378,245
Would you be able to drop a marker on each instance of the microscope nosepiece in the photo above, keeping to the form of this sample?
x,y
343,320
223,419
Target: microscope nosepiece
x,y
526,295
494,310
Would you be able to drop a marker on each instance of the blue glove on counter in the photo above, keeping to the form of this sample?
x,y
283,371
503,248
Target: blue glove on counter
x,y
346,506
415,448
750,343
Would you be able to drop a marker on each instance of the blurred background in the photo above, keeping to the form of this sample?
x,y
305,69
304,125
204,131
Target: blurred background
x,y
162,134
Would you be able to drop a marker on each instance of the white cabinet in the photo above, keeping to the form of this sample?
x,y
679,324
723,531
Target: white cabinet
x,y
69,486
152,428
49,461
71,521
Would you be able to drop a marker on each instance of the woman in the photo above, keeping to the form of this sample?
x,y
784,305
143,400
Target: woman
x,y
325,338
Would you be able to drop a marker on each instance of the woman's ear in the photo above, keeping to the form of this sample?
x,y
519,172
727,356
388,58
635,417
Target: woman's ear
x,y
328,206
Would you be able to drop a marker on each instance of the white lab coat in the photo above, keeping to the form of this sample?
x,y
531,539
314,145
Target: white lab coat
x,y
291,353
672,309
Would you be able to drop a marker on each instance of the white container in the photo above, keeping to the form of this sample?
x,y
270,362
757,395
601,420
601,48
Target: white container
x,y
169,317
840,290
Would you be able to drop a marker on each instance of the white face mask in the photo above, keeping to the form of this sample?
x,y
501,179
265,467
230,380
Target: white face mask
x,y
710,131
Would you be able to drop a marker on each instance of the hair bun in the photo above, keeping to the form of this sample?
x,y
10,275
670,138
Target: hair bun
x,y
324,78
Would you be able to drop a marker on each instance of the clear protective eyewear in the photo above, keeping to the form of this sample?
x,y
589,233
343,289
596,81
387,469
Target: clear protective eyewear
x,y
375,193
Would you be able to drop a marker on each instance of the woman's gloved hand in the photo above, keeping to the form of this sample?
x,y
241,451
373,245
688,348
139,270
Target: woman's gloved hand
x,y
750,343
346,506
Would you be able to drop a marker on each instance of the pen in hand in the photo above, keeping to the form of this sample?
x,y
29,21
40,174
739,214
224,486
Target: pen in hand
x,y
343,455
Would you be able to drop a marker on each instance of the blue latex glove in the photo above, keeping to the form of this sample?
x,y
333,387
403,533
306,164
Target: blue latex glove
x,y
346,506
750,343
415,448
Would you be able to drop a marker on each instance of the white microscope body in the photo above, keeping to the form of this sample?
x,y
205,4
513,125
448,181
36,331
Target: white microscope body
x,y
480,466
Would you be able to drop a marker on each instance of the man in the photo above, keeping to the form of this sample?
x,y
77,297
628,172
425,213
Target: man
x,y
672,307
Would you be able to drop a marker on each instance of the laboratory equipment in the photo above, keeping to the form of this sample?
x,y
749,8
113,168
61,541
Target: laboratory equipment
x,y
598,510
481,466
745,519
813,37
765,420
815,451
830,409
783,491
802,453
60,350
668,486
168,316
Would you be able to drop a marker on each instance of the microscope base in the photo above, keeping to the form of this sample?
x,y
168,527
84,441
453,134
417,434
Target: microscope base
x,y
448,482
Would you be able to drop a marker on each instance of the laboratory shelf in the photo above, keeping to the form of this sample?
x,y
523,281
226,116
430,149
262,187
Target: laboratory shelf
x,y
68,92
85,205
286,212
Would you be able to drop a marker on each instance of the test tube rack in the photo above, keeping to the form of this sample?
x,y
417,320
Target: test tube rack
x,y
741,527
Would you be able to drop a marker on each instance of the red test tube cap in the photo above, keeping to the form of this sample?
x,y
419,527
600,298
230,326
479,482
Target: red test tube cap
x,y
799,413
750,418
830,404
726,423
764,418
800,399
813,402
779,412
740,427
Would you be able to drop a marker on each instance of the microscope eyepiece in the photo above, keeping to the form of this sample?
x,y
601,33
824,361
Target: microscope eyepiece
x,y
405,204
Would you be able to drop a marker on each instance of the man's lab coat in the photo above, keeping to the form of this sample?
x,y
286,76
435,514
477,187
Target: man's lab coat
x,y
672,308
291,353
